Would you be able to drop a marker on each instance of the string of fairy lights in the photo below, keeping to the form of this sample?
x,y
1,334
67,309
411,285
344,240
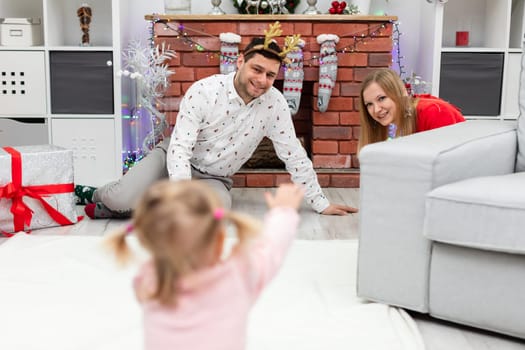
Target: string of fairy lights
x,y
187,35
397,59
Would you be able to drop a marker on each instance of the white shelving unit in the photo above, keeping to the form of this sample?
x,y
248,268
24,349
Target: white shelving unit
x,y
61,92
482,78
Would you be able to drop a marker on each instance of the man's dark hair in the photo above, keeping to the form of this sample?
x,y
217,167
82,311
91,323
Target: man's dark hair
x,y
273,54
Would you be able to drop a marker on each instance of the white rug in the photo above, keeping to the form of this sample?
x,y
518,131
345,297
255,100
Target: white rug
x,y
65,293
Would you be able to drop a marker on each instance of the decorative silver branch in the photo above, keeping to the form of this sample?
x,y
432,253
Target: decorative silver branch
x,y
149,68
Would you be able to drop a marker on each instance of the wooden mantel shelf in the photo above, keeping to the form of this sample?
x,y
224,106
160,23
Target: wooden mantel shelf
x,y
240,17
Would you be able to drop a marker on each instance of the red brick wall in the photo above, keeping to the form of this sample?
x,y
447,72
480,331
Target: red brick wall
x,y
365,44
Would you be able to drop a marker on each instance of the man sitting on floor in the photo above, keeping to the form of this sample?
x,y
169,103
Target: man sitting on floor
x,y
221,121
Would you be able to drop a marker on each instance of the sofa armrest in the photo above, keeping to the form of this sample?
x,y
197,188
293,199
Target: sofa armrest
x,y
396,175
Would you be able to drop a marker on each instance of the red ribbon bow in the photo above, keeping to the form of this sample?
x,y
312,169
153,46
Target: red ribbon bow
x,y
14,191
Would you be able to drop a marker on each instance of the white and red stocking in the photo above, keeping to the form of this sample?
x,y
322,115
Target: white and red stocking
x,y
293,78
229,52
327,69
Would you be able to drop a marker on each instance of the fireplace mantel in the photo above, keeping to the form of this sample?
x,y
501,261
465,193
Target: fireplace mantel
x,y
331,137
281,18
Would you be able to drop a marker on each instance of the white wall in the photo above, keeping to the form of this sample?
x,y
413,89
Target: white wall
x,y
134,26
408,13
409,25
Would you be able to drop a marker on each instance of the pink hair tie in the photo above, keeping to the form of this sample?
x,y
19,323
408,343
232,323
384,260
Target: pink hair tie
x,y
218,213
129,229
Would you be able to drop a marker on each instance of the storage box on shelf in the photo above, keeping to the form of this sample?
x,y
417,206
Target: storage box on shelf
x,y
480,76
20,31
22,83
91,90
23,131
65,89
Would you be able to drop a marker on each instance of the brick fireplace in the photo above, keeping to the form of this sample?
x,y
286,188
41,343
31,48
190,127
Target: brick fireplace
x,y
331,137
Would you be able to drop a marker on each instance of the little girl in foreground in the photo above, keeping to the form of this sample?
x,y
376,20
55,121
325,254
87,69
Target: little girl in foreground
x,y
193,297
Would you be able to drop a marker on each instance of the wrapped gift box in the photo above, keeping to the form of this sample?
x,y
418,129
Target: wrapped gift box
x,y
36,188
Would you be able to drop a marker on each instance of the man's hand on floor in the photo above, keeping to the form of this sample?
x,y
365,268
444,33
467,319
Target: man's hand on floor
x,y
339,209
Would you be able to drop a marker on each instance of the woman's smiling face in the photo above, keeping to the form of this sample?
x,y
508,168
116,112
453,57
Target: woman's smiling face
x,y
380,107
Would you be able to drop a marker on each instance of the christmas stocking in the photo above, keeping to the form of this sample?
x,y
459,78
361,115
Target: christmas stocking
x,y
293,78
229,52
327,69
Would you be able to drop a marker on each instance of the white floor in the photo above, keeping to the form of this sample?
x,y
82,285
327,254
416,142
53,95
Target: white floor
x,y
437,335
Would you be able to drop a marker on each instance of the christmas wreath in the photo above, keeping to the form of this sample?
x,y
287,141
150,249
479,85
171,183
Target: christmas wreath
x,y
263,6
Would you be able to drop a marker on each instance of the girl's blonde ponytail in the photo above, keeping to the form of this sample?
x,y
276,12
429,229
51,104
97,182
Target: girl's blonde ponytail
x,y
116,244
246,226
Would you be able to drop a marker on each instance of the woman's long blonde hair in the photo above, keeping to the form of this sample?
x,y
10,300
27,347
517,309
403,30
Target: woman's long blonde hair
x,y
394,88
180,224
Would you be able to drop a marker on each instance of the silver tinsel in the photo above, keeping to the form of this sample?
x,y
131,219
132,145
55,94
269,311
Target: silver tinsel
x,y
149,68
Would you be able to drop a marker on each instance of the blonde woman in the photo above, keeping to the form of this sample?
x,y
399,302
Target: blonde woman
x,y
387,111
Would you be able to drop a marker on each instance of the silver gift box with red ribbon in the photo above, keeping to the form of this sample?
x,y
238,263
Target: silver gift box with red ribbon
x,y
36,188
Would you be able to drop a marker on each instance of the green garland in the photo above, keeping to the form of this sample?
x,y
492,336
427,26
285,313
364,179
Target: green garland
x,y
241,8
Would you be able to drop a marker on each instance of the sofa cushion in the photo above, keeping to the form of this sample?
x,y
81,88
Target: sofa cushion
x,y
479,288
484,212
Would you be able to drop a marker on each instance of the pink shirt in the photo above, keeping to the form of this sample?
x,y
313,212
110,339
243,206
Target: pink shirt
x,y
214,303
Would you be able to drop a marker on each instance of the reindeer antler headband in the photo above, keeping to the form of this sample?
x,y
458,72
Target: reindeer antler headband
x,y
290,42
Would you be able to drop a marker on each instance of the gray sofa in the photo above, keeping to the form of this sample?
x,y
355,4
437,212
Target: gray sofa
x,y
442,224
